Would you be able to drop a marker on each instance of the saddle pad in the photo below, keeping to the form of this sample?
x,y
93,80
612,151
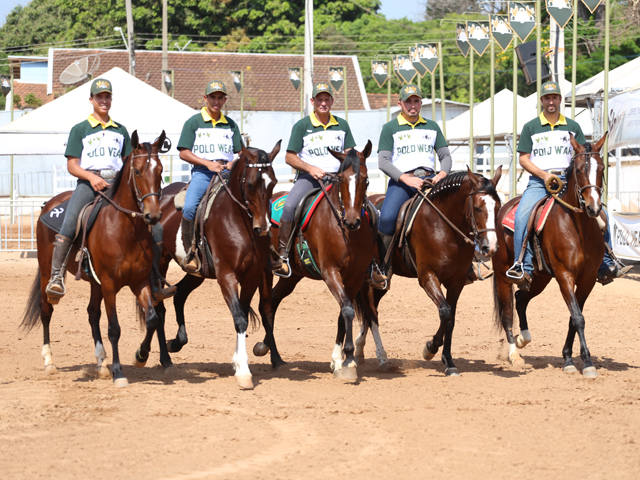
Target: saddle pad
x,y
277,206
509,220
53,218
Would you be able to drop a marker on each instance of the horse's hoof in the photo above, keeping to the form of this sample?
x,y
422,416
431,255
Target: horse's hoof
x,y
50,369
516,360
386,366
522,342
103,372
260,349
173,346
245,382
120,382
589,372
426,354
346,374
139,364
570,369
451,372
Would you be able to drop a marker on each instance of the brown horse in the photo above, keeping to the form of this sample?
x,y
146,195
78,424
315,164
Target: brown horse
x,y
572,246
342,245
236,233
441,253
120,245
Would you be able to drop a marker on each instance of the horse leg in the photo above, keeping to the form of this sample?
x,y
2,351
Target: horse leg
x,y
503,312
163,345
229,286
283,289
266,309
109,294
576,325
183,288
93,310
153,324
453,293
430,284
348,371
522,301
367,304
337,355
46,310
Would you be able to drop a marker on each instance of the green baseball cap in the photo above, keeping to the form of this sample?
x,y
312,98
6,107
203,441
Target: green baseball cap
x,y
100,85
215,86
550,88
320,88
409,91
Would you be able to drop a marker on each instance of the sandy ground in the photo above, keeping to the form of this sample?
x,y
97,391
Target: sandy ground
x,y
192,422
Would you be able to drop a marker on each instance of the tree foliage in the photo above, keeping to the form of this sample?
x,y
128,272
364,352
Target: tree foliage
x,y
343,27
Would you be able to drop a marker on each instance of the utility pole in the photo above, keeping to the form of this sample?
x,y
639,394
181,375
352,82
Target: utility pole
x,y
308,54
165,47
132,47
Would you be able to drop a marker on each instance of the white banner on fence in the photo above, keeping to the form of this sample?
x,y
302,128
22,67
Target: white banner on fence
x,y
624,120
625,235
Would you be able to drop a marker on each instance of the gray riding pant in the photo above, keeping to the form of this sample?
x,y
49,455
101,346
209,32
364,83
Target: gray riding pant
x,y
303,185
82,195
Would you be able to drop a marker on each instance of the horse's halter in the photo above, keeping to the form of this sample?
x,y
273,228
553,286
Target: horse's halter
x,y
581,202
340,213
263,167
471,218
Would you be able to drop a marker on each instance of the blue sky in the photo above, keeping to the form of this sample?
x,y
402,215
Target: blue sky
x,y
412,9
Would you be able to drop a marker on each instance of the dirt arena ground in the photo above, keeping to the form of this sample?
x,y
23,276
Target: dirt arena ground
x,y
192,422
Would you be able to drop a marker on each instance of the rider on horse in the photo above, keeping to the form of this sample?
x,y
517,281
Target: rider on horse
x,y
308,152
95,150
406,153
545,152
208,141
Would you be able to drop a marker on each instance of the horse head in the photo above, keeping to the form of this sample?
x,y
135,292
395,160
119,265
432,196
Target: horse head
x,y
588,177
482,208
352,184
145,176
257,181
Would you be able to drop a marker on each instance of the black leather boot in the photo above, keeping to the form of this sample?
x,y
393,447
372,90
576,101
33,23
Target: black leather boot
x,y
190,263
280,265
380,276
55,288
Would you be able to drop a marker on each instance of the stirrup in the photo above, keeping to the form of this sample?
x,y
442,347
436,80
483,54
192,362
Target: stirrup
x,y
515,273
191,257
382,283
54,296
279,273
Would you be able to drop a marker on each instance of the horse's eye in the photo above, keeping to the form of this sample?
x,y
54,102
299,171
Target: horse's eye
x,y
136,171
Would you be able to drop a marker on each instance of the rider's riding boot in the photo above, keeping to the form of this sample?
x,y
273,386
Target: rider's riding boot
x,y
518,275
380,276
190,263
280,265
55,288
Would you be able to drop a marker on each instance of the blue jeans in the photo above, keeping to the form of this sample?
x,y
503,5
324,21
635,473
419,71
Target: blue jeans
x,y
81,196
534,192
303,185
397,194
197,187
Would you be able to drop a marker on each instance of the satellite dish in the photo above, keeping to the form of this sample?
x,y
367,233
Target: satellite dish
x,y
79,70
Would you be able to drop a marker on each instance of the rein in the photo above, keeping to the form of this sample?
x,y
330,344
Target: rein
x,y
449,222
555,194
339,218
225,184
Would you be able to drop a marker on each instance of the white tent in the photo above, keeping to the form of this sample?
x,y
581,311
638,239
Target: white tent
x,y
136,104
458,128
622,78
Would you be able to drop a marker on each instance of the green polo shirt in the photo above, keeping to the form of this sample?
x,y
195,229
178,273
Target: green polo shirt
x,y
210,139
412,145
311,140
98,146
549,144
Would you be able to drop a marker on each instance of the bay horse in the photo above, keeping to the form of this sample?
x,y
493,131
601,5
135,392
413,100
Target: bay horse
x,y
572,245
237,235
119,243
342,244
463,206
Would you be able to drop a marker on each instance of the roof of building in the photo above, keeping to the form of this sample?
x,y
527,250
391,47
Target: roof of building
x,y
266,76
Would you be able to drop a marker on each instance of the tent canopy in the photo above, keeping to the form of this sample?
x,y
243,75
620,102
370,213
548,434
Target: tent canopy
x,y
137,105
622,78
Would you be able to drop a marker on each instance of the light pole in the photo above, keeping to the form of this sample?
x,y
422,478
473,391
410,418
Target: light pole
x,y
119,29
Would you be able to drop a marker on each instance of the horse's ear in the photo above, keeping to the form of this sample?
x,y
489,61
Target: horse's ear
x,y
576,146
159,142
135,142
339,155
472,177
275,151
496,177
367,149
600,143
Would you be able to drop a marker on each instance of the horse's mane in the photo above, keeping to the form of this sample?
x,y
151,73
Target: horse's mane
x,y
452,182
111,191
351,160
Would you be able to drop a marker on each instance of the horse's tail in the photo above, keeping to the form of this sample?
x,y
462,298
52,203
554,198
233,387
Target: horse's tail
x,y
34,306
498,307
254,320
357,306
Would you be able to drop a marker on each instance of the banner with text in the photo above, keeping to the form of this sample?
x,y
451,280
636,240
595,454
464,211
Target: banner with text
x,y
625,235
